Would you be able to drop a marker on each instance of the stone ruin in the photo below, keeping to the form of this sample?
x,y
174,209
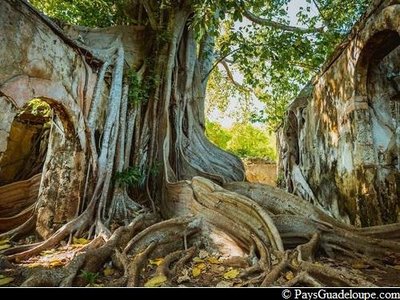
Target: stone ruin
x,y
339,145
43,154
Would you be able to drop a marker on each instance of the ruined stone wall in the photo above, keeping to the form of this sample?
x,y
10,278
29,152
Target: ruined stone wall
x,y
38,59
35,62
340,143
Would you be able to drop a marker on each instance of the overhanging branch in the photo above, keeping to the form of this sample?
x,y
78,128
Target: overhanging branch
x,y
229,74
261,21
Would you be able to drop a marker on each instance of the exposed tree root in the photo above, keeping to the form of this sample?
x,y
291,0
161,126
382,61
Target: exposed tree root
x,y
137,264
210,211
20,230
60,276
187,255
297,220
272,276
81,221
303,278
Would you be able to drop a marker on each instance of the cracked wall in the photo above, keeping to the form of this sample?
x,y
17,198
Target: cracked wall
x,y
340,143
38,59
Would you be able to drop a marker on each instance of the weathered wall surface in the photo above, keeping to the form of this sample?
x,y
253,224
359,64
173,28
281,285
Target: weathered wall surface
x,y
36,63
60,66
340,144
260,171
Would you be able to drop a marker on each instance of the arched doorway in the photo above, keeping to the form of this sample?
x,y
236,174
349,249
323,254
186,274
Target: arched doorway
x,y
379,84
383,92
42,168
27,143
22,162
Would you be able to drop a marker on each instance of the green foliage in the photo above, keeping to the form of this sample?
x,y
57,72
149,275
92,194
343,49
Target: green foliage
x,y
37,107
89,277
249,141
163,36
140,90
155,169
132,176
218,135
274,63
244,140
94,13
136,92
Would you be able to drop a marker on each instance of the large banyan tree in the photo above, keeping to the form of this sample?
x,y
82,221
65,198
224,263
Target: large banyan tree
x,y
128,165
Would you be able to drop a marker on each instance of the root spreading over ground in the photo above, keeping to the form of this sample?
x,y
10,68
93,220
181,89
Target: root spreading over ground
x,y
241,235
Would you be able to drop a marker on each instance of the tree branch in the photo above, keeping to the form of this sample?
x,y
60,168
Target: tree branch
x,y
324,19
150,14
218,61
229,74
261,21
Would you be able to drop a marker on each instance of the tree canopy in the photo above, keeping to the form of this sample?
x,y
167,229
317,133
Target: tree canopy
x,y
273,58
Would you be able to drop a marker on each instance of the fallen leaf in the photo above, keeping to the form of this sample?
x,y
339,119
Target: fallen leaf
x,y
5,280
196,271
80,241
4,246
108,271
198,259
397,267
231,274
156,261
5,241
156,281
213,260
56,263
289,275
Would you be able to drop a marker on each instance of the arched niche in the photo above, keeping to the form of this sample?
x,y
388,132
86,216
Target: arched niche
x,y
27,143
379,46
378,85
50,179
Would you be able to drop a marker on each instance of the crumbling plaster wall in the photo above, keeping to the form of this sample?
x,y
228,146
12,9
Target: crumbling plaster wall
x,y
38,59
37,63
339,144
